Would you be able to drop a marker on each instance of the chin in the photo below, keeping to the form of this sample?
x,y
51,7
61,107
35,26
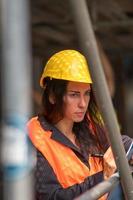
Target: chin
x,y
78,120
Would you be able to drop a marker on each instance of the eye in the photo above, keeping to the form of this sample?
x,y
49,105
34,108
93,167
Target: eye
x,y
74,94
88,93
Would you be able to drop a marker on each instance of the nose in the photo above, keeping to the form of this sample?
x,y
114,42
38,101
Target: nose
x,y
82,102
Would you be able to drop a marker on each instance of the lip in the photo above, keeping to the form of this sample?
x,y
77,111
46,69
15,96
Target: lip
x,y
80,114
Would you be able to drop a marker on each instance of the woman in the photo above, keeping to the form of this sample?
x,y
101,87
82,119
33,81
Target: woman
x,y
73,153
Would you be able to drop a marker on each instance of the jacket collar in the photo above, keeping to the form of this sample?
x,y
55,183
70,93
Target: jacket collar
x,y
56,134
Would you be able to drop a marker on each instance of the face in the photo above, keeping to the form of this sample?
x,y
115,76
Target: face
x,y
76,101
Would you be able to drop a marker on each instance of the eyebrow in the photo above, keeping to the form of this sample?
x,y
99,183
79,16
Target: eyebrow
x,y
89,90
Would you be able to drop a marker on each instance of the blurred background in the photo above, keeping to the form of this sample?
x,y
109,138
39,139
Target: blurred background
x,y
51,28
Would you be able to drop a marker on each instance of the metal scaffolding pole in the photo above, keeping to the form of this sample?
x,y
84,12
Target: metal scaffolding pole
x,y
17,152
1,175
89,48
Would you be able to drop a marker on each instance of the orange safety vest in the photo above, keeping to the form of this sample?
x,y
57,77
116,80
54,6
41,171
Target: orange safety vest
x,y
68,168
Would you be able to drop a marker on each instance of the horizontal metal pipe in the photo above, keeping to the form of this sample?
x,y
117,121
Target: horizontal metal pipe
x,y
108,24
100,189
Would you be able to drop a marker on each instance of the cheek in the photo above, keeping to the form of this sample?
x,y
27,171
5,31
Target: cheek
x,y
88,101
68,101
69,105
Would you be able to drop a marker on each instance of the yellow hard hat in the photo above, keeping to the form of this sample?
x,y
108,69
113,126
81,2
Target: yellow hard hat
x,y
67,65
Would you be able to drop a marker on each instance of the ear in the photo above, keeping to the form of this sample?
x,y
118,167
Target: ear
x,y
52,99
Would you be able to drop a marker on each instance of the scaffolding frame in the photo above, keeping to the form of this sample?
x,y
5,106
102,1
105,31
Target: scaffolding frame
x,y
12,31
88,45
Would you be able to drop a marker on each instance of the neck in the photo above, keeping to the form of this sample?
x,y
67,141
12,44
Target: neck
x,y
65,127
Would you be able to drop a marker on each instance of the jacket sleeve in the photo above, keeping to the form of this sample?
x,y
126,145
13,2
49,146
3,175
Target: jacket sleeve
x,y
48,187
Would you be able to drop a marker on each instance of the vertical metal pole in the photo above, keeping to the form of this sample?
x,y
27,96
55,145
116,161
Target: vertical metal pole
x,y
89,47
1,174
16,99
